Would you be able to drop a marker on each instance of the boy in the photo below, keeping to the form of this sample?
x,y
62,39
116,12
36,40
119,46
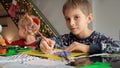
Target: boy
x,y
27,29
78,16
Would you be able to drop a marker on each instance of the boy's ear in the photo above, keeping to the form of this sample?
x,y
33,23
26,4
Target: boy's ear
x,y
90,18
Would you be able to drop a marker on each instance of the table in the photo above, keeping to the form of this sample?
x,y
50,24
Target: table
x,y
36,62
28,61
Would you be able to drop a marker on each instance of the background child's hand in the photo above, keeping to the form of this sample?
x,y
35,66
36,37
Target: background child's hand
x,y
76,46
47,45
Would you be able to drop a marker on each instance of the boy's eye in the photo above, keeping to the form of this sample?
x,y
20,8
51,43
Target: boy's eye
x,y
67,19
76,17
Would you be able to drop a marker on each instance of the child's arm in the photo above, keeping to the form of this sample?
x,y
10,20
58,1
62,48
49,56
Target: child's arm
x,y
80,47
111,47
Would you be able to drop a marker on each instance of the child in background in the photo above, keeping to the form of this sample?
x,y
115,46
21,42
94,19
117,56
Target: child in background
x,y
27,29
78,16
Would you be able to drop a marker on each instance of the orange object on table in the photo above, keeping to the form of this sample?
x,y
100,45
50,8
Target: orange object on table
x,y
3,46
3,50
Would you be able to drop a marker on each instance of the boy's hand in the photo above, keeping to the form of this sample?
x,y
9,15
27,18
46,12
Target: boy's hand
x,y
76,46
47,45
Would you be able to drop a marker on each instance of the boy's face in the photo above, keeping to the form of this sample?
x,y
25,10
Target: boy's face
x,y
76,21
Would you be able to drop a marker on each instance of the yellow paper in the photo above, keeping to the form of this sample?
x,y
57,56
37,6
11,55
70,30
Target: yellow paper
x,y
50,56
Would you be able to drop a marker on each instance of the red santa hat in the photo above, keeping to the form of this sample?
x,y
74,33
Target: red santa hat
x,y
36,21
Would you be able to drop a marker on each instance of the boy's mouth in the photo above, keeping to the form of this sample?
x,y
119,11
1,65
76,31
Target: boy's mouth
x,y
73,29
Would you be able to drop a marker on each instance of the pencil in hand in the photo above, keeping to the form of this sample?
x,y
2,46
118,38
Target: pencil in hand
x,y
44,38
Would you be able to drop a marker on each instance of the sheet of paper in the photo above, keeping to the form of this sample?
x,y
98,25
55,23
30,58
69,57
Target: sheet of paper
x,y
50,56
27,61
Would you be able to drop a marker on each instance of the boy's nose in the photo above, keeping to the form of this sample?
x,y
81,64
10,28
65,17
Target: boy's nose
x,y
72,22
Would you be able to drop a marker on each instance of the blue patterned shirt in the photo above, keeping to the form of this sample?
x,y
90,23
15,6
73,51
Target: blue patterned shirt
x,y
98,42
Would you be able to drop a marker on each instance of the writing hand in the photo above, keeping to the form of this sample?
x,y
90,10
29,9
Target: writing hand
x,y
47,45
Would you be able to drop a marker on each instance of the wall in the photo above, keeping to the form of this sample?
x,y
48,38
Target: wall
x,y
52,9
10,32
107,17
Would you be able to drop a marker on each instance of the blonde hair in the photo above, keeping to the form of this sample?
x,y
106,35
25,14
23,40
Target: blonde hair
x,y
84,6
25,21
31,24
